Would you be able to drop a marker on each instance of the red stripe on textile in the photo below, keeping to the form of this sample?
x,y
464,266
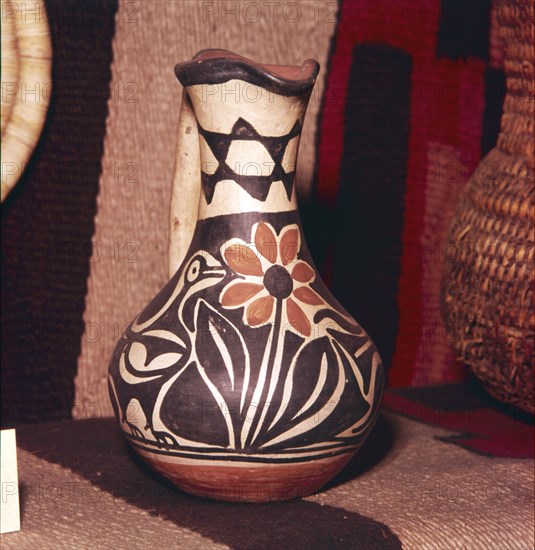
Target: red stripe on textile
x,y
411,26
447,105
421,32
483,430
394,22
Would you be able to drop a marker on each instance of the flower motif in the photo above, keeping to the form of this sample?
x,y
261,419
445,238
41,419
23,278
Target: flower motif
x,y
270,273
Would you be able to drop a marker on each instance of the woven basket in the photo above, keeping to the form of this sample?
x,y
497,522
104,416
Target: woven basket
x,y
488,282
26,84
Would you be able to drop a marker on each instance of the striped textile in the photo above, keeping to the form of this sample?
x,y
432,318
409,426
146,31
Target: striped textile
x,y
408,100
401,130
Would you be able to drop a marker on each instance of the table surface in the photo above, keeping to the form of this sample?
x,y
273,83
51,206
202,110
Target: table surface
x,y
443,468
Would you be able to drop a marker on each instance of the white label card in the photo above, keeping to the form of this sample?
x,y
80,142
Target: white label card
x,y
9,505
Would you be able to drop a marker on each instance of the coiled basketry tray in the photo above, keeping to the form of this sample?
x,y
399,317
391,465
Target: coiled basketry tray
x,y
26,84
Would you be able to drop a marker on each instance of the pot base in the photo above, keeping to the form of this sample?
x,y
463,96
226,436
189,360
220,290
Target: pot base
x,y
246,481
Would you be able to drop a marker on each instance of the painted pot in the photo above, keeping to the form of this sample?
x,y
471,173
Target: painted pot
x,y
244,379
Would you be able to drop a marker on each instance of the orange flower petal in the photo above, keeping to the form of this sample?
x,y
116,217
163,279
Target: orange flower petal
x,y
308,296
259,311
266,242
289,246
302,272
238,293
243,260
297,318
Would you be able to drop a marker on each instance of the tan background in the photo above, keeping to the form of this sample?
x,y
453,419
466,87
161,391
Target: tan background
x,y
129,264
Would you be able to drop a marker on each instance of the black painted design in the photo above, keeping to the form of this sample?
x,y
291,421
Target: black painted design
x,y
215,370
278,282
93,450
257,186
217,70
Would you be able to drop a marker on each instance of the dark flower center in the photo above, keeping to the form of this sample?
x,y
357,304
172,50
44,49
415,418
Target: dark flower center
x,y
278,282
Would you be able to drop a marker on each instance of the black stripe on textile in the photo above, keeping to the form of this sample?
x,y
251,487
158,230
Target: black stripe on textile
x,y
48,220
494,97
317,217
372,185
463,29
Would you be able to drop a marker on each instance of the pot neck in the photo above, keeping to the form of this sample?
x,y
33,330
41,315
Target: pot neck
x,y
249,120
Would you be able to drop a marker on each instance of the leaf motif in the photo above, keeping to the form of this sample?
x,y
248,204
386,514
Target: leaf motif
x,y
364,422
164,361
322,397
129,377
320,383
166,335
186,407
359,350
223,362
310,381
137,356
138,359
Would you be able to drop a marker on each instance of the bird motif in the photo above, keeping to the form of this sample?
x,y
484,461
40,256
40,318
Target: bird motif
x,y
157,347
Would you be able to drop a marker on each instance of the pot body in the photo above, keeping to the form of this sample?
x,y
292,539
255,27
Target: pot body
x,y
244,379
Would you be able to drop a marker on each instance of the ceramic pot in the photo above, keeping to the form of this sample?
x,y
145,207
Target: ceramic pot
x,y
244,379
